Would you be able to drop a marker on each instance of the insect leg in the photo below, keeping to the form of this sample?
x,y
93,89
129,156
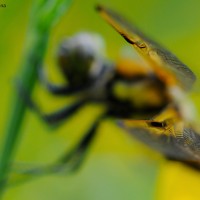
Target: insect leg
x,y
51,118
78,153
59,115
60,90
68,163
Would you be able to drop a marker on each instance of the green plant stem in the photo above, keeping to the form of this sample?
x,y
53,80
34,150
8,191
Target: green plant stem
x,y
47,12
28,78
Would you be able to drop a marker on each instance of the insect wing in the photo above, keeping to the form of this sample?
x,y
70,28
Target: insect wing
x,y
167,145
169,136
167,66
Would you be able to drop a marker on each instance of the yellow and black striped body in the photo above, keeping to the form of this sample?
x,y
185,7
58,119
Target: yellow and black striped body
x,y
135,93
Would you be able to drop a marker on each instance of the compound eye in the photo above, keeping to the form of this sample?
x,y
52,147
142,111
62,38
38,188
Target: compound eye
x,y
75,62
78,57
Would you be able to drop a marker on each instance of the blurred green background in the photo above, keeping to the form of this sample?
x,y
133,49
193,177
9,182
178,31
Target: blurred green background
x,y
116,166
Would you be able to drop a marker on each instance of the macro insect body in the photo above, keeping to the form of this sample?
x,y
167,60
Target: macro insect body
x,y
149,102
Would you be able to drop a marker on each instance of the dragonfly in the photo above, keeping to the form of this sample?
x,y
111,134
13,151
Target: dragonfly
x,y
149,101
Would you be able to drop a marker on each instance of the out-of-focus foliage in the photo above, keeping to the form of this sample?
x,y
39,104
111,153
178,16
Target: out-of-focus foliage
x,y
116,166
43,17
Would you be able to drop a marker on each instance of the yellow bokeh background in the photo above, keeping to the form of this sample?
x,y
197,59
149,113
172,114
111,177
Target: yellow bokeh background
x,y
116,166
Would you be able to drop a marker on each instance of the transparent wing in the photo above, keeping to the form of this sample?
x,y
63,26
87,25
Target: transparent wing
x,y
168,66
168,134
